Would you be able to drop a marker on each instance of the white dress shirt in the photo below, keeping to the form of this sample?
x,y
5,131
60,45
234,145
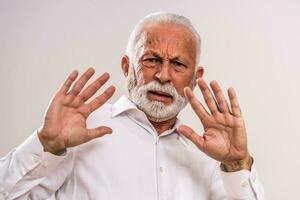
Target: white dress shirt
x,y
133,163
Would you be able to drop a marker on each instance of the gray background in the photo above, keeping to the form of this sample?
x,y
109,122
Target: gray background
x,y
251,45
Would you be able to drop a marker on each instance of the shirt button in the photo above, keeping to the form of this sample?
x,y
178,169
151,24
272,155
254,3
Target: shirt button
x,y
161,169
45,164
244,184
5,194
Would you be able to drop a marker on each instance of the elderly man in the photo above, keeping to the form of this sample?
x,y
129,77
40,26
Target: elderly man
x,y
149,154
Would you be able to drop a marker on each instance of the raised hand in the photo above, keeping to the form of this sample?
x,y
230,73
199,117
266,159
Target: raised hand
x,y
224,137
65,119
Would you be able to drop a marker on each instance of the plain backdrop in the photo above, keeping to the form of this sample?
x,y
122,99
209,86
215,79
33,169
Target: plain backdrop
x,y
251,45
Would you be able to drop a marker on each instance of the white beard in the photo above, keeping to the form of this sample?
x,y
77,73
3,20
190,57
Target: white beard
x,y
155,110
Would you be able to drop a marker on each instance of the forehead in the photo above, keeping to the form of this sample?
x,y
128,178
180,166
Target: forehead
x,y
167,39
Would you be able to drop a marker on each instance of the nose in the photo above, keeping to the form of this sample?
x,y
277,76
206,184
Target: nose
x,y
163,74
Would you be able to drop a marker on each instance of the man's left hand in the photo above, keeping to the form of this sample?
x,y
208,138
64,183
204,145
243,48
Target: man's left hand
x,y
224,138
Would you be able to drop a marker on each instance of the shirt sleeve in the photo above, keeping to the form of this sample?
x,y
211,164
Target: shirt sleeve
x,y
28,168
243,184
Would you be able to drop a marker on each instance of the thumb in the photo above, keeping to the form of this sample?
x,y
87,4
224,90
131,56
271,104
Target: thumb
x,y
98,132
192,136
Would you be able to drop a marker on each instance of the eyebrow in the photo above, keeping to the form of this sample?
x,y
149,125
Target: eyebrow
x,y
159,56
175,58
152,53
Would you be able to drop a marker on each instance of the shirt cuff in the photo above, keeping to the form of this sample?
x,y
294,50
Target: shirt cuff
x,y
242,184
30,155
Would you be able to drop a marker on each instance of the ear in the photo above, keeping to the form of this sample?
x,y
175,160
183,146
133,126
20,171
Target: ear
x,y
199,72
125,65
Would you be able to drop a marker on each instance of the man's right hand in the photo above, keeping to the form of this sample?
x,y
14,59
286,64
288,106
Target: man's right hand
x,y
65,119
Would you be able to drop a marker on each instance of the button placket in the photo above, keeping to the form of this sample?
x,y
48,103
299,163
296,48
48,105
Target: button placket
x,y
161,169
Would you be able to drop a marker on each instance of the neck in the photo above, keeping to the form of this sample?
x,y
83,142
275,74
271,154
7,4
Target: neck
x,y
160,127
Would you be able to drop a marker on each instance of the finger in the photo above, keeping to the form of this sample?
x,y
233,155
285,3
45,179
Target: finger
x,y
98,101
98,132
192,135
208,97
90,90
68,82
235,108
223,105
196,105
94,87
82,81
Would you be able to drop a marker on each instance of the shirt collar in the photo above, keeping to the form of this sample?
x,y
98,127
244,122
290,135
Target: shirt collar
x,y
125,105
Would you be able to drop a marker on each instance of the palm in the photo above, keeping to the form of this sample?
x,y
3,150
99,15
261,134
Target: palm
x,y
220,133
65,120
68,126
224,137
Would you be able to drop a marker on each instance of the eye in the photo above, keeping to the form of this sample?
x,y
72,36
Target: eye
x,y
178,66
176,63
151,61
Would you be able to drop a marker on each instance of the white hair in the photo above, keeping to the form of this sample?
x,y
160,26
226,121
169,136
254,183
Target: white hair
x,y
162,18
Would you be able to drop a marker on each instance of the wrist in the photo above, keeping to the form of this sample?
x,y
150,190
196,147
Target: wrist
x,y
50,146
237,165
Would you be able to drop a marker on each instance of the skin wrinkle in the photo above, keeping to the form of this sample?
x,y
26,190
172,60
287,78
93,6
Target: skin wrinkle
x,y
152,42
156,111
168,43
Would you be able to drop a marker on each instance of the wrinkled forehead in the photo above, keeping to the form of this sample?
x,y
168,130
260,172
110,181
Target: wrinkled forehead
x,y
167,39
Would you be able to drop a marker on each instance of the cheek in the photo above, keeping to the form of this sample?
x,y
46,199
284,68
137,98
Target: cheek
x,y
145,75
180,82
179,90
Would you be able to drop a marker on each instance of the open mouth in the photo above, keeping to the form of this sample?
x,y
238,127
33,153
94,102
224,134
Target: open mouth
x,y
160,94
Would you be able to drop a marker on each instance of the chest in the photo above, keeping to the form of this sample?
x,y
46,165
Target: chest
x,y
134,164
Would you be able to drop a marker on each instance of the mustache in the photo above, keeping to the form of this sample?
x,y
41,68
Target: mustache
x,y
157,87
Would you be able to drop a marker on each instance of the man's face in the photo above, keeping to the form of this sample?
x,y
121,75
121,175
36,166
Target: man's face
x,y
163,65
